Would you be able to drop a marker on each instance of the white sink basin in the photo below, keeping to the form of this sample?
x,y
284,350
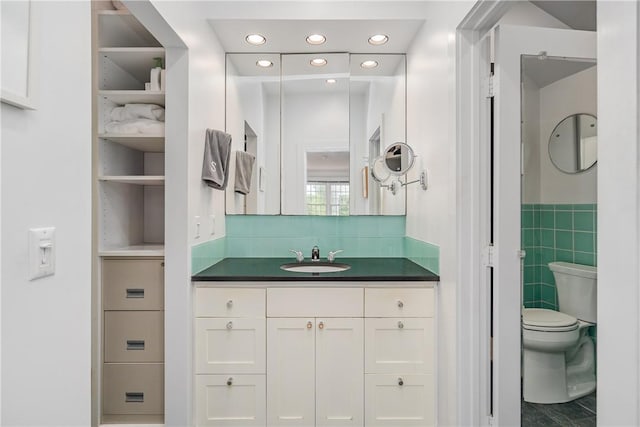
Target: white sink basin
x,y
315,267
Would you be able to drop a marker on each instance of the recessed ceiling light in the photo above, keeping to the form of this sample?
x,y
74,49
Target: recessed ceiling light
x,y
316,39
331,81
318,62
378,39
255,39
264,63
369,64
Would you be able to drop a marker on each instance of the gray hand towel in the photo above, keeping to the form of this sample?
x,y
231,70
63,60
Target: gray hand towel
x,y
215,164
244,168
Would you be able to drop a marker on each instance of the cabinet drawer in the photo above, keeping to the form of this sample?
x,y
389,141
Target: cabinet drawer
x,y
134,336
230,400
314,302
133,389
393,345
133,284
229,302
235,346
391,302
399,400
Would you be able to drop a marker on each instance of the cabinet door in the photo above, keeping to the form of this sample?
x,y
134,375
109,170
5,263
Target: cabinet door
x,y
234,346
399,400
230,400
291,372
399,345
339,372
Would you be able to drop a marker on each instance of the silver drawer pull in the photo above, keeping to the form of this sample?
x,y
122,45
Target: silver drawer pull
x,y
321,325
230,303
230,325
400,381
134,397
400,324
230,381
309,325
400,304
135,293
135,344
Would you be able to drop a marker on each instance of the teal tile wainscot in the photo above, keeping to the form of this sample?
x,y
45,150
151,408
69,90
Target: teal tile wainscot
x,y
554,232
272,236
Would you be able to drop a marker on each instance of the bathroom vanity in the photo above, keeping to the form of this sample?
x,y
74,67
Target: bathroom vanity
x,y
350,348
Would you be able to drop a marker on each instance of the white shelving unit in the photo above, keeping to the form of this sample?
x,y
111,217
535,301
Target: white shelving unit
x,y
129,199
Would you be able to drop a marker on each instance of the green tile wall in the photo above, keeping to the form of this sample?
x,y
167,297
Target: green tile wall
x,y
273,236
554,232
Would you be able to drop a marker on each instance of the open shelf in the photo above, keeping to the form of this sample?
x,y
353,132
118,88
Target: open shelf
x,y
138,61
140,142
121,28
143,249
134,179
133,96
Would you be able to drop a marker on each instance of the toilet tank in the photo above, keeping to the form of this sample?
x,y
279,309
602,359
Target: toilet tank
x,y
576,285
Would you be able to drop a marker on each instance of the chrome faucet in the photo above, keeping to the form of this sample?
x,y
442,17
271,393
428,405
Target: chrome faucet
x,y
299,255
331,256
315,254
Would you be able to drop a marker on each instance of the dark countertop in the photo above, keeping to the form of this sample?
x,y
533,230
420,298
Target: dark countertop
x,y
362,269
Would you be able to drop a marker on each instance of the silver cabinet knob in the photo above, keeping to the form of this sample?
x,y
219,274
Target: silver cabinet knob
x,y
400,381
309,325
400,324
230,325
230,381
400,304
321,325
230,303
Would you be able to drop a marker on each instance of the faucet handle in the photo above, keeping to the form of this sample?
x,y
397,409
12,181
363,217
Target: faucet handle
x,y
299,255
331,256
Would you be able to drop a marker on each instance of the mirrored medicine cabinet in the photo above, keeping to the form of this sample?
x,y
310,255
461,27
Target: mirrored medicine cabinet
x,y
316,131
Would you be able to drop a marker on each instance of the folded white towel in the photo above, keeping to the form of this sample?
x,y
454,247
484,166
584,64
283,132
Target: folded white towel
x,y
135,126
138,111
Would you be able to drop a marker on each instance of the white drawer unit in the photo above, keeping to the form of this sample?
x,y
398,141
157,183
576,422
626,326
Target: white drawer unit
x,y
399,400
230,400
230,345
314,302
229,302
398,302
398,345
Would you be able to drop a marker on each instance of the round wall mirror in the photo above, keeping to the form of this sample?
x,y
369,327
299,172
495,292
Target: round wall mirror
x,y
399,158
573,144
379,171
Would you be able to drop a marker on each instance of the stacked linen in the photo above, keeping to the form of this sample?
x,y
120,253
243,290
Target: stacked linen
x,y
136,118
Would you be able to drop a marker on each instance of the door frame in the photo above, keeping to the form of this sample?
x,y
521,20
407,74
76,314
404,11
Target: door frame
x,y
489,338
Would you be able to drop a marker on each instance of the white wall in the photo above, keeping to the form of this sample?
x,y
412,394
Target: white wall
x,y
543,109
531,150
571,95
431,214
618,213
46,181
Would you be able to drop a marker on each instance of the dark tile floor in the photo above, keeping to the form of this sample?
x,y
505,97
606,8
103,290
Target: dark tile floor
x,y
577,413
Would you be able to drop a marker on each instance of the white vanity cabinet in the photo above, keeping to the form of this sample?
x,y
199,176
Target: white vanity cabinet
x,y
315,363
230,357
399,357
277,354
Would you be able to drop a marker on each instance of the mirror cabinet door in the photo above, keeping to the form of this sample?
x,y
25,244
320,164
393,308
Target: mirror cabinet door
x,y
253,121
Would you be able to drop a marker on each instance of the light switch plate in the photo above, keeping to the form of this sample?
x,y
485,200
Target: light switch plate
x,y
42,252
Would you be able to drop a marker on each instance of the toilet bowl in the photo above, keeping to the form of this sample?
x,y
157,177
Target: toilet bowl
x,y
558,355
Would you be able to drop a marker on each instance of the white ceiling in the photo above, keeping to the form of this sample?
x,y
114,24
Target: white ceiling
x,y
289,36
543,72
578,14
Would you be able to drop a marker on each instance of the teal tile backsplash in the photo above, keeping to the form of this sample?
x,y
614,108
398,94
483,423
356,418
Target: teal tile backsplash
x,y
273,236
554,232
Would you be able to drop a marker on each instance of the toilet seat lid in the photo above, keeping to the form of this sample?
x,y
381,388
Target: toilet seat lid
x,y
542,319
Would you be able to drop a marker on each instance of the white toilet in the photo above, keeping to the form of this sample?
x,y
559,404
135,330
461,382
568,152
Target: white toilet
x,y
559,357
